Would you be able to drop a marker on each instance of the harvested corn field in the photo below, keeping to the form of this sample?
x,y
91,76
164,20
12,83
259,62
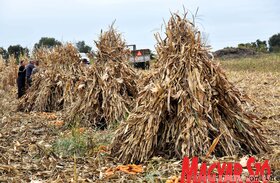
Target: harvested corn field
x,y
105,121
36,158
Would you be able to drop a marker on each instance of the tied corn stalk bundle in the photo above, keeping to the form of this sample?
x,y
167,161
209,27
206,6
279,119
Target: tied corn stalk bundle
x,y
9,73
105,96
2,69
190,108
64,58
2,64
109,88
53,86
111,47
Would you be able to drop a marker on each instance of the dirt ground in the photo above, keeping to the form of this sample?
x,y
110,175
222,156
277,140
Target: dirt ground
x,y
28,154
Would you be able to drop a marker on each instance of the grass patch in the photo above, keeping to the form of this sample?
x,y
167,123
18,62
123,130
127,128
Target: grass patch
x,y
100,141
75,143
82,144
103,137
261,63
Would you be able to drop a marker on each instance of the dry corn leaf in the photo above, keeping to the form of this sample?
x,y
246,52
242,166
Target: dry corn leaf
x,y
213,145
173,179
56,123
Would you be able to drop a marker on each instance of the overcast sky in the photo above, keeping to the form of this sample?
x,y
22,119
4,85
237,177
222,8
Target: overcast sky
x,y
224,22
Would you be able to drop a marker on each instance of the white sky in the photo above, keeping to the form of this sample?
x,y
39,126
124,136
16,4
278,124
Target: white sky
x,y
226,23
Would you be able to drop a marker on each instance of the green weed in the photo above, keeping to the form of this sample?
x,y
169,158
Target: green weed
x,y
74,143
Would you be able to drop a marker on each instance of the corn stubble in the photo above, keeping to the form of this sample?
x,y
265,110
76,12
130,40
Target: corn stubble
x,y
190,108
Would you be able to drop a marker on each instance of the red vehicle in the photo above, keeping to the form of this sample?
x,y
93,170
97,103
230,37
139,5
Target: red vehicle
x,y
140,58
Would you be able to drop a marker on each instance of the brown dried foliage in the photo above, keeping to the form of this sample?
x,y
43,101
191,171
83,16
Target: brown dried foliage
x,y
8,71
54,85
99,94
110,85
111,47
189,104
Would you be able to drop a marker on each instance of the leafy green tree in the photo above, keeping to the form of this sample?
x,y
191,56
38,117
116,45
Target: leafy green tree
x,y
258,45
246,45
17,50
48,42
274,43
4,53
82,47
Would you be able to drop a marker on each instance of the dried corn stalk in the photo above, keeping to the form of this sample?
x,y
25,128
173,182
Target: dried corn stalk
x,y
111,47
53,87
109,86
9,73
187,106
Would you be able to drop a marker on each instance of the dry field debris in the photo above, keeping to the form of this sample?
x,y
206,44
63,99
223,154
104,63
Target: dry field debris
x,y
191,109
263,88
187,96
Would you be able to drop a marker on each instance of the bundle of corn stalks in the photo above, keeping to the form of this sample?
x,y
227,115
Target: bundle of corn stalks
x,y
53,86
110,85
105,96
190,109
2,64
111,47
8,71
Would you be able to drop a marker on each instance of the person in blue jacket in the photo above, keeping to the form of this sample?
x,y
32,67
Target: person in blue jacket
x,y
29,68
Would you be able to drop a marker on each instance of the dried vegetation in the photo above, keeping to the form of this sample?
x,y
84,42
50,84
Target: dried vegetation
x,y
187,107
111,47
93,96
107,93
191,109
8,71
53,87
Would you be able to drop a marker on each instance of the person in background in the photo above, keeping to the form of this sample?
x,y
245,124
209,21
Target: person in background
x,y
21,79
85,62
29,68
36,68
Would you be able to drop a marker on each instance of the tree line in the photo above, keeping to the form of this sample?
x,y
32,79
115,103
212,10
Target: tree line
x,y
273,45
47,42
